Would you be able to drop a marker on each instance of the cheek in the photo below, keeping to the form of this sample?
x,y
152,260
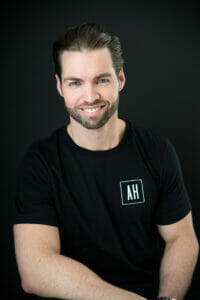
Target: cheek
x,y
113,95
109,94
71,98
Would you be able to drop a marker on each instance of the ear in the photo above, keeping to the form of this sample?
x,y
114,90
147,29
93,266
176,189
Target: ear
x,y
59,85
122,79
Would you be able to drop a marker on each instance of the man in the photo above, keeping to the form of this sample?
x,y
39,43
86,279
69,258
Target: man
x,y
102,212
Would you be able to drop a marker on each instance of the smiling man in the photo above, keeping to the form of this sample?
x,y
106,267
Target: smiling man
x,y
102,212
91,96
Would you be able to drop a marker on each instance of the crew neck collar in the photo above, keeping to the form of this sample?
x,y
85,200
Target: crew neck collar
x,y
80,149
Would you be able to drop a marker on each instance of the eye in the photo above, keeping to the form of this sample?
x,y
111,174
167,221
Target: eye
x,y
74,83
103,80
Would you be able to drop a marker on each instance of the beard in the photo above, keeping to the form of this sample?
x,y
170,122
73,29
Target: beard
x,y
94,122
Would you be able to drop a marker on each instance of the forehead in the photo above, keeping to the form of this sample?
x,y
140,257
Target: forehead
x,y
86,62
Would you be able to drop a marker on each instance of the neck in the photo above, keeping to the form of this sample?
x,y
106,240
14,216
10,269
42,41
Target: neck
x,y
104,138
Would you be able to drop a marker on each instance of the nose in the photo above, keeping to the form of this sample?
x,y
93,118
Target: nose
x,y
90,93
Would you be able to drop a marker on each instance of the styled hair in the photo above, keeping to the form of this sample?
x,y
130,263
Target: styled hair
x,y
88,36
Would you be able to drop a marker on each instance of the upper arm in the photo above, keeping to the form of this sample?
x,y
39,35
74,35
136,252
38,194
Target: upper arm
x,y
31,241
183,228
174,202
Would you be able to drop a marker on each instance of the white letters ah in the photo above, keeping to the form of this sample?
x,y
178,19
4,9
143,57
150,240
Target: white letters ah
x,y
134,194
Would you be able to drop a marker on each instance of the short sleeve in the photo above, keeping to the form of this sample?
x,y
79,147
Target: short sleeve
x,y
174,202
34,198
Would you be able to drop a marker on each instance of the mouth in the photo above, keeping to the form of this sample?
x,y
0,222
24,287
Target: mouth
x,y
93,110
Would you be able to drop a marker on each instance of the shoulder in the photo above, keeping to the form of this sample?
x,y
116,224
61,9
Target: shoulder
x,y
149,139
47,143
153,148
44,149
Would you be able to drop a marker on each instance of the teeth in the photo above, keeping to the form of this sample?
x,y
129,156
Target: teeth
x,y
91,109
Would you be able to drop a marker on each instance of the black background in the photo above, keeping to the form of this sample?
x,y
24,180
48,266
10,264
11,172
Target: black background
x,y
161,46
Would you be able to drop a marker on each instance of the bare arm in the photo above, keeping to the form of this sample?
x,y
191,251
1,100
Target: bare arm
x,y
45,272
179,259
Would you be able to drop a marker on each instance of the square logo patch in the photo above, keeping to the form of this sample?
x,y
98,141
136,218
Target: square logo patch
x,y
132,192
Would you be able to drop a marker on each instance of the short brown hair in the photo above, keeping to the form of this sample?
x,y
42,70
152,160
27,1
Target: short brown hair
x,y
87,36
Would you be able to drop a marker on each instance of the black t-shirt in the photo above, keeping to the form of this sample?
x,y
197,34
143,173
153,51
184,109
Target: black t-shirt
x,y
106,203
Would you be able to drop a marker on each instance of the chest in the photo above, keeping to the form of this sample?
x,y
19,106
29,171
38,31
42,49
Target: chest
x,y
103,191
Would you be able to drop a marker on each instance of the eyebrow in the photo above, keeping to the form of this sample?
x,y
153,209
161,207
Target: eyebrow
x,y
79,79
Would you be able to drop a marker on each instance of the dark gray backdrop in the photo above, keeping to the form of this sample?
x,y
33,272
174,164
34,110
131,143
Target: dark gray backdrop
x,y
161,51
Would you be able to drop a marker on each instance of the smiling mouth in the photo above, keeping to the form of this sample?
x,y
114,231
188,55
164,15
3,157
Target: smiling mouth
x,y
92,109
